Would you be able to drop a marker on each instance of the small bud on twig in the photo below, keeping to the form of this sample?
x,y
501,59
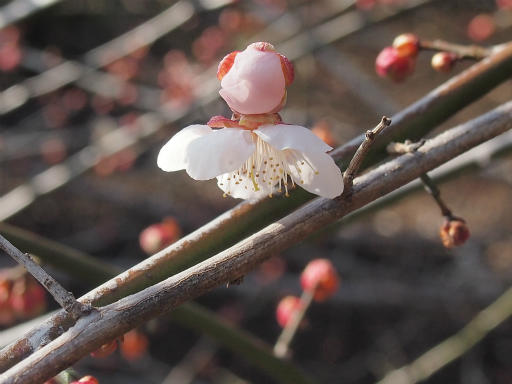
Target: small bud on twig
x,y
454,232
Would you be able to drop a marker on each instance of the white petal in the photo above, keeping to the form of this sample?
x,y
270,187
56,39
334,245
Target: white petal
x,y
318,174
224,150
284,136
241,187
172,156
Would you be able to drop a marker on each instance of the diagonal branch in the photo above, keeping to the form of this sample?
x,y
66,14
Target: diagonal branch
x,y
18,10
113,320
65,298
455,346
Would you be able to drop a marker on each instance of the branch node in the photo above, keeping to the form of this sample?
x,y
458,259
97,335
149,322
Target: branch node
x,y
357,160
407,146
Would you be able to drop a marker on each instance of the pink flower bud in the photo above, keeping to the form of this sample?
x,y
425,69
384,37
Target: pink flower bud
x,y
406,44
286,309
390,64
443,61
321,277
454,232
254,81
159,235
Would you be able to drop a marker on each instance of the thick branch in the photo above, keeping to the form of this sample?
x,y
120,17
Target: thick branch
x,y
65,299
113,320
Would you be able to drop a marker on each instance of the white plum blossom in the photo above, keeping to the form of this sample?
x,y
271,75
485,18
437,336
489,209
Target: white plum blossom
x,y
252,163
254,154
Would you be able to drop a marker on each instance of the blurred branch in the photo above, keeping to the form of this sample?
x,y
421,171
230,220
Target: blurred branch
x,y
192,363
240,342
99,82
113,320
73,262
462,51
64,298
18,10
455,346
285,338
70,71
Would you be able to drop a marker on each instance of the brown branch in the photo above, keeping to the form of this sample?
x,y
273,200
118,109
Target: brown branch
x,y
65,299
462,51
113,320
289,331
357,160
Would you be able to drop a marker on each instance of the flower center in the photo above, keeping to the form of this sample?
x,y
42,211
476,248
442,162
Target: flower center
x,y
267,170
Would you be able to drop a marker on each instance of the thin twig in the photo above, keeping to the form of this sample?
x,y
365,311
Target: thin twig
x,y
289,331
113,320
462,51
432,189
428,183
455,346
357,160
65,298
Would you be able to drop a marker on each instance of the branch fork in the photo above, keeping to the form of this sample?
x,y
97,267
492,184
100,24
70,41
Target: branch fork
x,y
65,298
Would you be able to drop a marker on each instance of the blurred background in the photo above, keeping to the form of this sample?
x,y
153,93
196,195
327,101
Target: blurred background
x,y
89,92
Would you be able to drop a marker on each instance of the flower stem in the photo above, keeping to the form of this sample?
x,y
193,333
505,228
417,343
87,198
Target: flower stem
x,y
432,189
285,338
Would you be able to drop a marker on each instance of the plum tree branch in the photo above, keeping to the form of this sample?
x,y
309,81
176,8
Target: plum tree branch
x,y
113,320
357,160
65,298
